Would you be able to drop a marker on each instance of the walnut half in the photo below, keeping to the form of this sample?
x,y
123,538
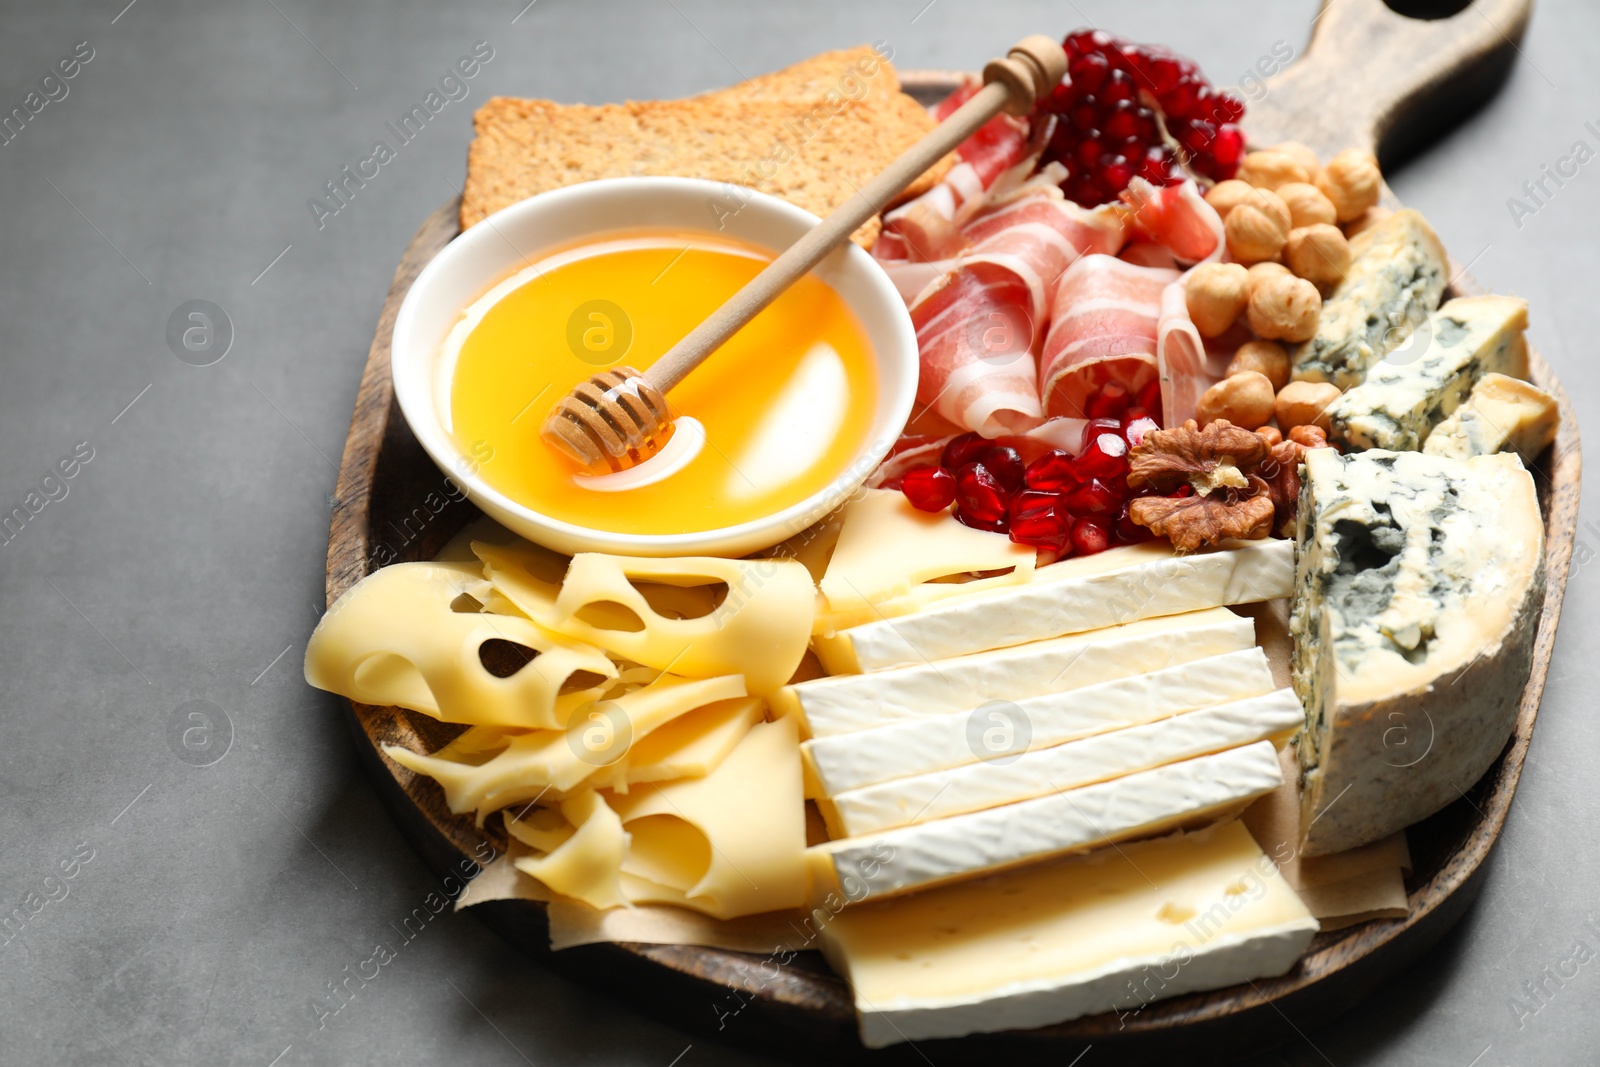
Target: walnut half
x,y
1217,471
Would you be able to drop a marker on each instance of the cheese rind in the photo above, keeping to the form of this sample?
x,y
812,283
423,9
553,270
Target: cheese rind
x,y
1137,805
1417,597
1118,928
1416,387
848,702
1502,414
1042,771
1073,596
1003,729
1396,277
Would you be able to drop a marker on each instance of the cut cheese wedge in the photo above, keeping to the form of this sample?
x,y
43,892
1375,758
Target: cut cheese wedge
x,y
1073,596
1137,805
887,548
1421,579
999,730
849,702
1043,771
1502,414
1116,929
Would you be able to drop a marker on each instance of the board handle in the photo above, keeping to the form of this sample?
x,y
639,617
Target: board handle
x,y
1374,79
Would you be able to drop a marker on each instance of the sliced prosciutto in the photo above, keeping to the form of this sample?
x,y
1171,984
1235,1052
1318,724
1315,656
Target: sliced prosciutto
x,y
1103,326
928,228
1188,364
1177,218
977,340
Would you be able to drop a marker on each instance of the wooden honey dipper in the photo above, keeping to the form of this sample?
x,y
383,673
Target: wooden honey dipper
x,y
620,417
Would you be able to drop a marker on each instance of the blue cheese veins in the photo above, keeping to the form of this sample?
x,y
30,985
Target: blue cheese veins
x,y
1417,589
1417,387
1396,277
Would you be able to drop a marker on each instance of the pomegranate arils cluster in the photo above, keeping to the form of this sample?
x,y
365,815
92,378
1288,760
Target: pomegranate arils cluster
x,y
1106,119
1065,504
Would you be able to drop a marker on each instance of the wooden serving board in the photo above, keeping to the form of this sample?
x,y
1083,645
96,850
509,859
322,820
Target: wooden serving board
x,y
1369,78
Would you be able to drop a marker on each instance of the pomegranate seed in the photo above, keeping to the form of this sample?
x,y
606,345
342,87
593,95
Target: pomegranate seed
x,y
1030,500
1041,528
1106,456
1052,472
1109,401
1117,174
1163,73
961,451
1150,398
980,496
1005,464
998,526
1123,123
929,488
1087,154
1089,73
1132,414
1134,432
1228,148
1093,497
1118,87
1179,103
1082,118
1089,537
1128,531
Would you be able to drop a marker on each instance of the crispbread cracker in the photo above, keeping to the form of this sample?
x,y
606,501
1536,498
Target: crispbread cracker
x,y
814,152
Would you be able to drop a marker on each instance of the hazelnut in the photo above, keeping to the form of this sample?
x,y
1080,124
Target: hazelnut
x,y
1304,404
1352,181
1284,309
1257,230
1225,196
1270,435
1311,436
1263,357
1216,294
1319,254
1304,155
1269,170
1307,206
1371,218
1262,271
1243,399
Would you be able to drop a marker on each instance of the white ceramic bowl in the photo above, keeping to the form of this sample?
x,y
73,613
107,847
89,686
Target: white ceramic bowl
x,y
491,251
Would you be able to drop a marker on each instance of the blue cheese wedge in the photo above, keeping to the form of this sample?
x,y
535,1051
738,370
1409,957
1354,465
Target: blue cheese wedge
x,y
1418,386
1502,415
1417,593
1116,929
1396,277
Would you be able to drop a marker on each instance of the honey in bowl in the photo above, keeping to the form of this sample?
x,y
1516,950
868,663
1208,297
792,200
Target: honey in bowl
x,y
785,406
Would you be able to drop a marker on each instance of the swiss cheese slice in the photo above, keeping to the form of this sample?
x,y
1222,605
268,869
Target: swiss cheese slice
x,y
843,703
731,843
996,731
1116,929
963,846
396,637
666,613
887,547
1117,586
555,763
1043,771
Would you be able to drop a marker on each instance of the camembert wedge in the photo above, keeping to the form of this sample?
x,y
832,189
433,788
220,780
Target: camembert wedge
x,y
1115,929
1075,595
1073,820
1417,596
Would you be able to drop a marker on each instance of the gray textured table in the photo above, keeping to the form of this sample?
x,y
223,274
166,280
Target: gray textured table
x,y
156,606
